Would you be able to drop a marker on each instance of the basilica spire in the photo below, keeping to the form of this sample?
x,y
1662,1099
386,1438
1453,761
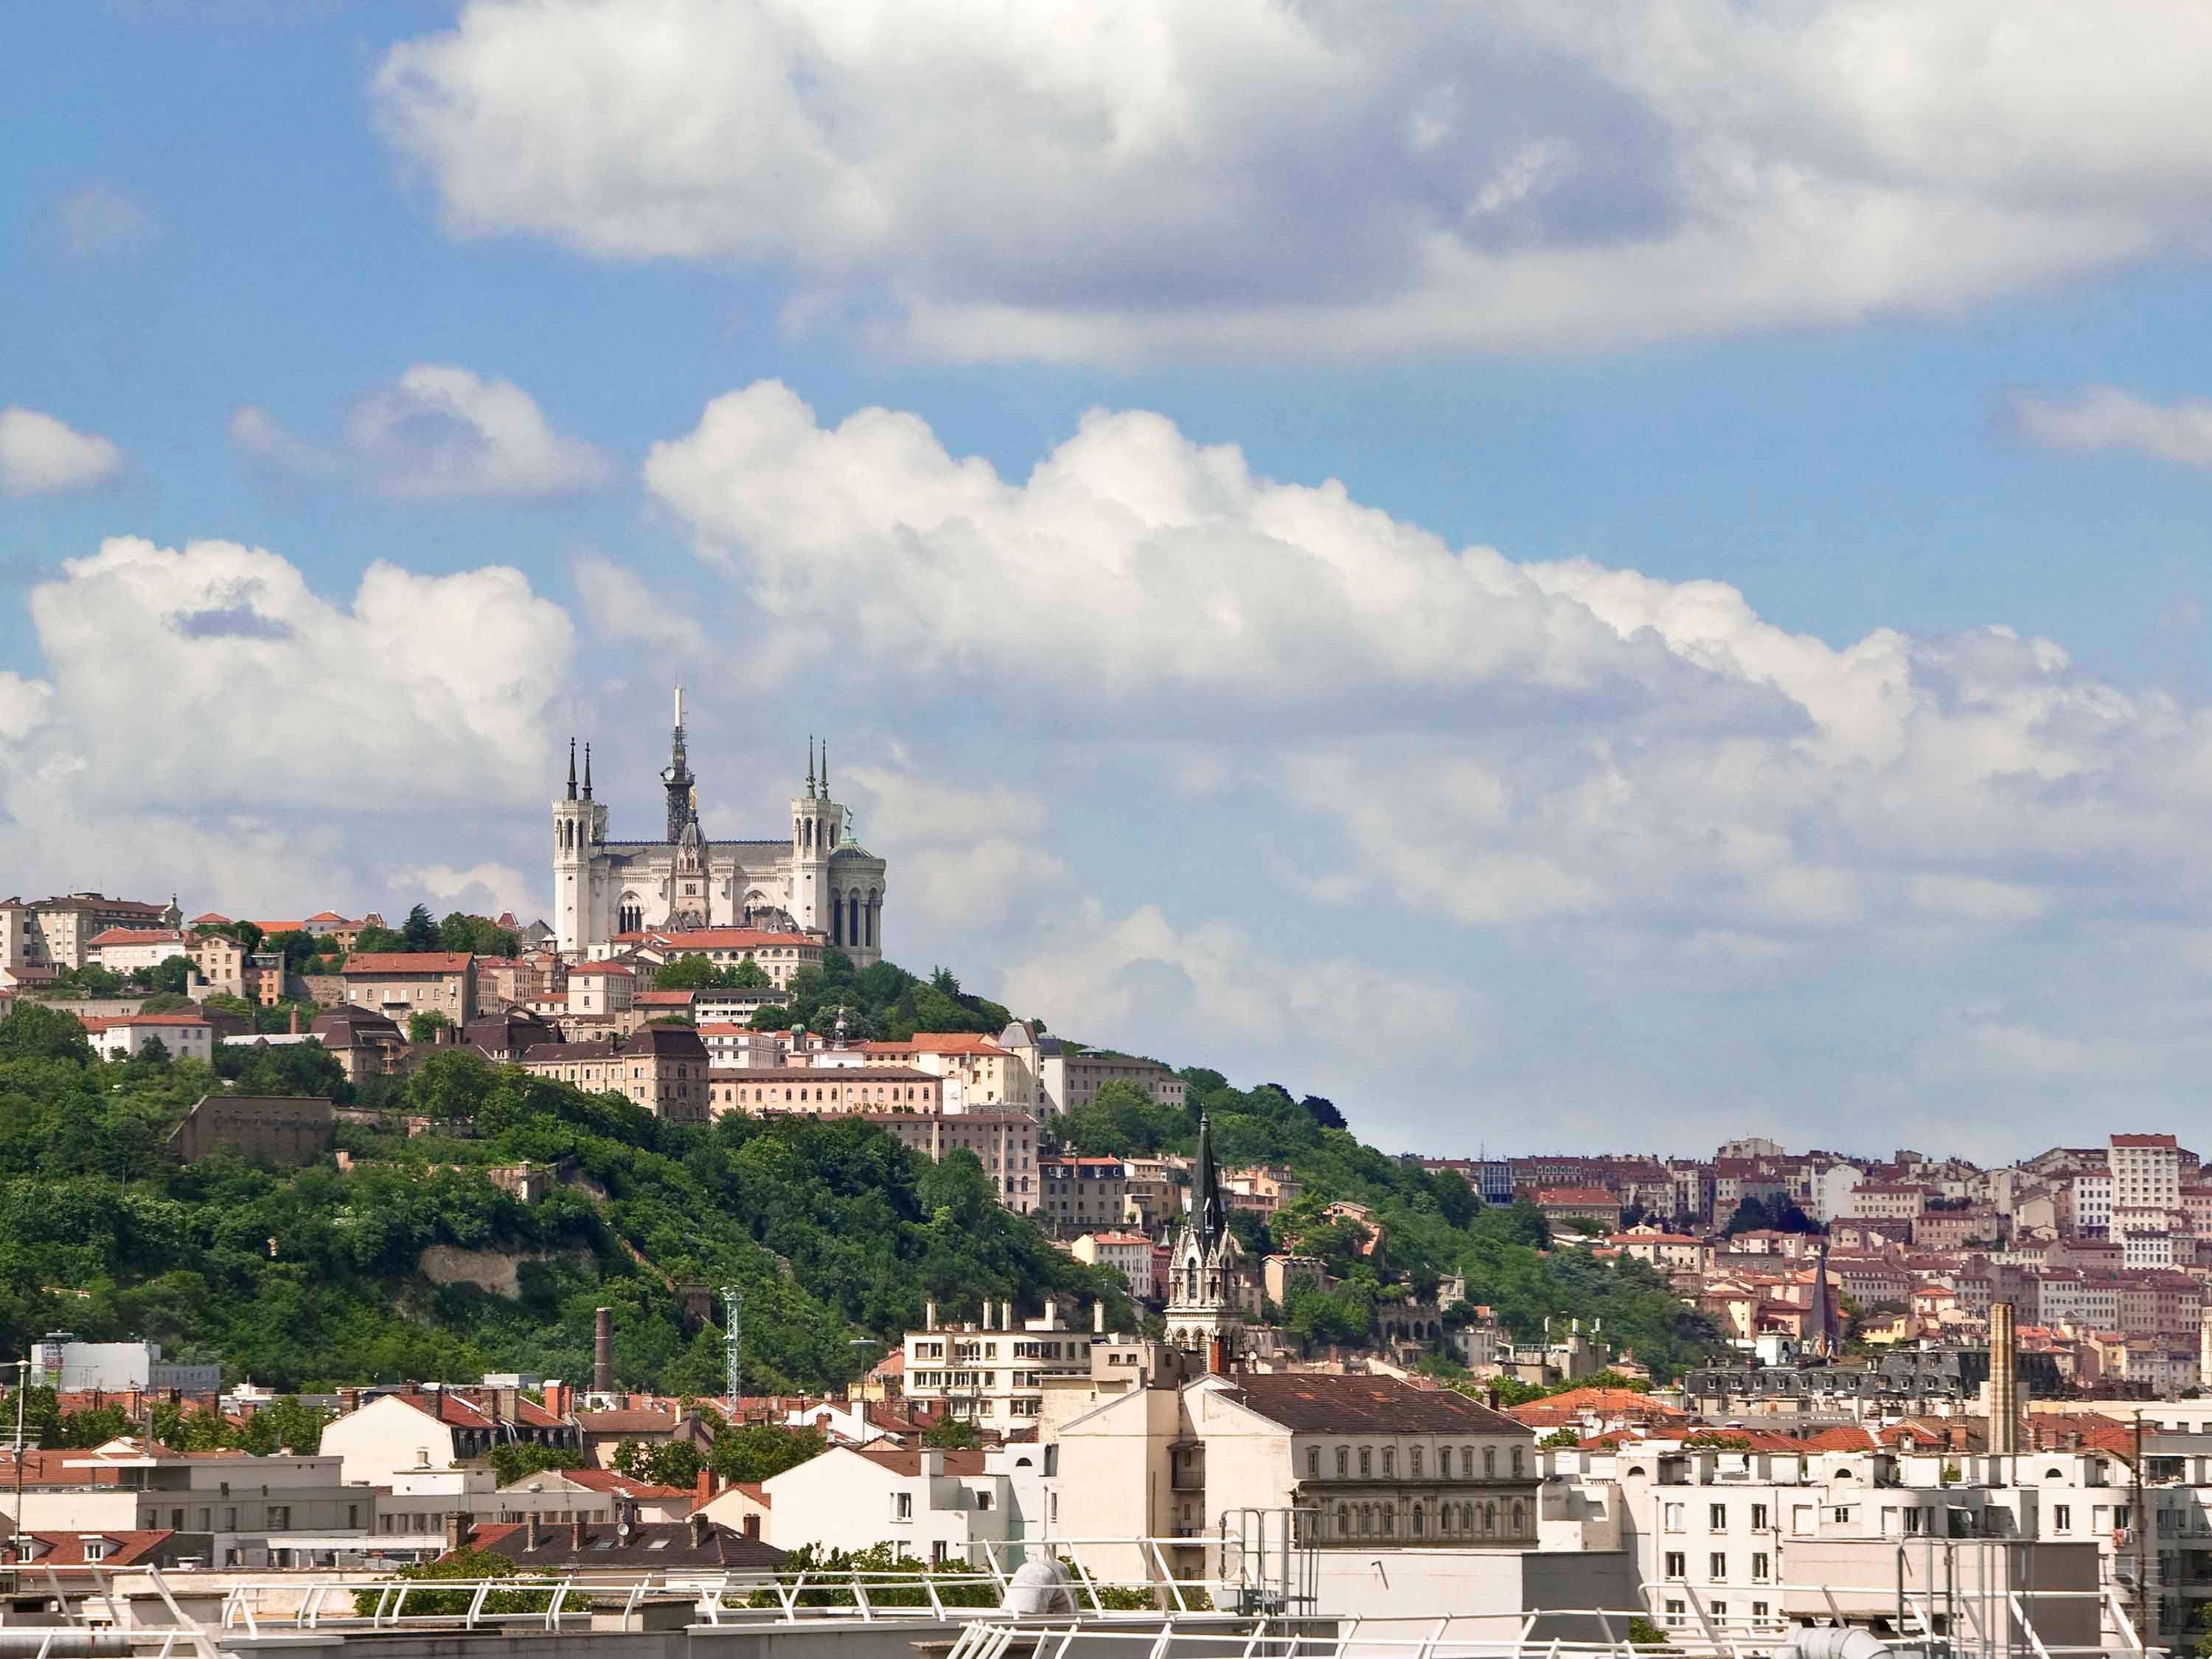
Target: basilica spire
x,y
675,777
587,767
809,766
572,769
825,769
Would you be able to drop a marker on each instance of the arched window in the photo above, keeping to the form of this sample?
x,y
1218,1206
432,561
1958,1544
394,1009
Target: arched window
x,y
1190,1281
1489,1519
1389,1460
853,919
875,906
836,920
1343,1461
1390,1520
1519,1517
1444,1517
1417,1521
1490,1462
1343,1520
1366,1519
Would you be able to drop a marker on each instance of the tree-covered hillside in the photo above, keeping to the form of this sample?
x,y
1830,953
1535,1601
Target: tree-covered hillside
x,y
836,1234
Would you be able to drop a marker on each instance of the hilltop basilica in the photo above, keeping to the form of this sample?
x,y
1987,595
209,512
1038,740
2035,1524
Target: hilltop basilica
x,y
820,880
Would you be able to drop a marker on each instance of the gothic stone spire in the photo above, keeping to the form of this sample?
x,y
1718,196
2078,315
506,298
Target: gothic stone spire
x,y
572,769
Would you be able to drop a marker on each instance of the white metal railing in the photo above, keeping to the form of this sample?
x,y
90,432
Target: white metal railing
x,y
1164,1597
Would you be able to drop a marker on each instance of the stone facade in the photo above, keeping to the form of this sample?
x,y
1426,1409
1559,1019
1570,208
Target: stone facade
x,y
820,882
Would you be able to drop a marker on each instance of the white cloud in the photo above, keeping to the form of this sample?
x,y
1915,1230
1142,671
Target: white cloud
x,y
436,431
1495,742
623,606
209,725
2105,418
1214,985
965,858
1247,177
481,890
240,689
40,454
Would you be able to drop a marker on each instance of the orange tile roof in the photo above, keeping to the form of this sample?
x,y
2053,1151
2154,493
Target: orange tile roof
x,y
724,939
407,962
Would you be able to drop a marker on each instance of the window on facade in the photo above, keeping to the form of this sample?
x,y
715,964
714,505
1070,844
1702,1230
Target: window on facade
x,y
1490,1462
1389,1460
2062,1517
1366,1461
901,1506
1678,1565
1390,1520
1759,1517
1343,1520
1675,1614
1313,1460
1413,1461
1366,1520
1671,1517
1717,1567
1716,1517
1519,1461
1762,1568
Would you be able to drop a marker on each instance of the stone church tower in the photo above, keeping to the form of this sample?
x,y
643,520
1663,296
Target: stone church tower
x,y
1203,1309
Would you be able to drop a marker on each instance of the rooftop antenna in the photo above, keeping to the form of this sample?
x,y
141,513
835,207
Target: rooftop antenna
x,y
734,1346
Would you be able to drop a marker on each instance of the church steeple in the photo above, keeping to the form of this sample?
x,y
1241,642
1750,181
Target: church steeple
x,y
809,766
587,768
572,769
1208,1213
677,778
825,769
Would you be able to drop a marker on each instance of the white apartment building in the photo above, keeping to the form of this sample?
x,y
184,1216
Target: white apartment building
x,y
932,1504
1719,1533
979,1073
2146,1171
992,1374
2093,1202
254,1511
124,1037
600,988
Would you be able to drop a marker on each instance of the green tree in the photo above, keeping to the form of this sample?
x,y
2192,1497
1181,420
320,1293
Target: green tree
x,y
688,972
747,975
752,1452
32,1032
174,973
419,932
468,1565
952,1433
424,1024
165,1002
517,1459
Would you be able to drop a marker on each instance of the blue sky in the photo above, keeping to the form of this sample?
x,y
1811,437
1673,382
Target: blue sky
x,y
385,347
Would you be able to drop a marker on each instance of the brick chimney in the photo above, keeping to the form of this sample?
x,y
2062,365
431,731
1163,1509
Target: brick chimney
x,y
700,1527
457,1529
533,1532
602,1350
753,1524
576,1536
704,1491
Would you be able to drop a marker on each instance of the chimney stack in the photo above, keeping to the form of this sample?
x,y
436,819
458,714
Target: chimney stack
x,y
929,1315
456,1530
2005,1387
700,1523
1217,1356
602,1350
532,1537
753,1524
1098,1317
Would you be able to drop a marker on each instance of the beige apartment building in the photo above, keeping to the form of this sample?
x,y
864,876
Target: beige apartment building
x,y
662,1069
827,1092
398,983
1004,1143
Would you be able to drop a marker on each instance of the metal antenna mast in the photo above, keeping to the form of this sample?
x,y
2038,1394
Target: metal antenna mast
x,y
733,1344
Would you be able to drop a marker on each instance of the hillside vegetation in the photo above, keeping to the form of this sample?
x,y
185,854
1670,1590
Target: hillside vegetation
x,y
836,1234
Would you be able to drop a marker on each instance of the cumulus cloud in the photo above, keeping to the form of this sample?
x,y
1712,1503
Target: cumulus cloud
x,y
2106,417
436,431
972,859
213,675
40,454
1495,742
207,724
1247,177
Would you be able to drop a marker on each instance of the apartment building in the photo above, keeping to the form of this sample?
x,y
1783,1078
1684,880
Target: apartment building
x,y
979,1073
1081,1193
826,1091
662,1069
993,1374
400,983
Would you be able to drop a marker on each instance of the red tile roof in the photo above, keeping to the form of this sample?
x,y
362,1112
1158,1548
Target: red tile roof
x,y
724,938
136,936
598,970
407,962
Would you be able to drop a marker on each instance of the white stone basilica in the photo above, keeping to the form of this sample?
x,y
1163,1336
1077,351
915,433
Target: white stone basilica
x,y
820,881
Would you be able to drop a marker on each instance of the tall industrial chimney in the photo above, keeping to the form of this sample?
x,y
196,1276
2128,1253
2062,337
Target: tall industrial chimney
x,y
602,1350
2004,1389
